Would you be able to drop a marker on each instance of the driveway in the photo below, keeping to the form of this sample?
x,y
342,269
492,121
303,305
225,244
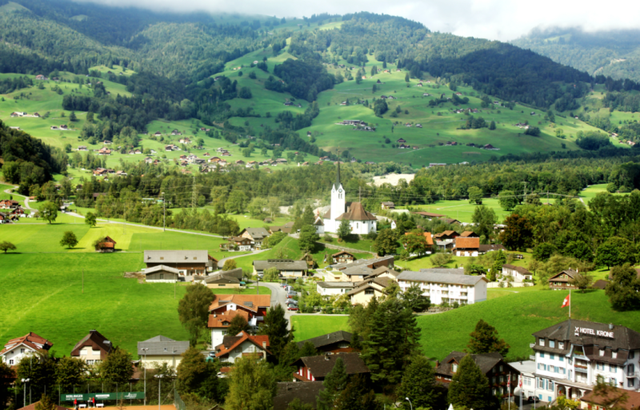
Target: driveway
x,y
278,296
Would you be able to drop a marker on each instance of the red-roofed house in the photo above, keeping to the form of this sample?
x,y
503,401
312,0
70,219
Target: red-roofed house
x,y
24,346
255,305
466,246
219,324
243,345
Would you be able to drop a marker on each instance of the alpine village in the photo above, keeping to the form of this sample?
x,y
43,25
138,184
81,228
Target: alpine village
x,y
204,209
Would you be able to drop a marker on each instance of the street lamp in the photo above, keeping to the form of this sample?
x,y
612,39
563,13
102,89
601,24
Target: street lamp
x,y
144,349
410,404
159,377
24,391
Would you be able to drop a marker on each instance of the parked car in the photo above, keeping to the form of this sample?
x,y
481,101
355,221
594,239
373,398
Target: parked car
x,y
292,302
292,307
533,399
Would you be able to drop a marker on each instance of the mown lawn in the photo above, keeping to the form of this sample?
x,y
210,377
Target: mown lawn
x,y
310,326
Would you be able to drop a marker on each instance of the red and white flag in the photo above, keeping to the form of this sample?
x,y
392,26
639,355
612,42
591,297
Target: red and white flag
x,y
567,301
509,381
520,385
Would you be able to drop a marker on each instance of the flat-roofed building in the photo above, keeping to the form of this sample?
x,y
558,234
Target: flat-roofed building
x,y
446,285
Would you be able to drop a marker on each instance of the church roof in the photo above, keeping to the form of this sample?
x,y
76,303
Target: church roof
x,y
356,212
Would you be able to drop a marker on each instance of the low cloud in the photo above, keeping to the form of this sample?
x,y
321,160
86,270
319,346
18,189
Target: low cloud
x,y
493,19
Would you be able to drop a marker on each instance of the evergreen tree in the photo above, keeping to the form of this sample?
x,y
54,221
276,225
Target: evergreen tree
x,y
72,117
393,339
356,396
308,349
414,299
334,383
419,384
492,125
469,387
238,324
275,326
308,238
484,339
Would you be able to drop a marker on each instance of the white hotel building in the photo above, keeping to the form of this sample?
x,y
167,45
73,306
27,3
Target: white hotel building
x,y
446,285
572,355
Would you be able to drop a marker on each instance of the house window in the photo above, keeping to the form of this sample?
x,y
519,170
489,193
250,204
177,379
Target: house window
x,y
542,355
601,352
631,382
11,361
613,368
552,343
541,342
630,370
550,385
368,292
614,381
631,354
454,367
614,355
161,276
552,356
541,383
561,345
561,358
22,351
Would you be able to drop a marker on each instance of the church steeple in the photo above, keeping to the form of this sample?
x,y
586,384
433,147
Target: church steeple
x,y
337,184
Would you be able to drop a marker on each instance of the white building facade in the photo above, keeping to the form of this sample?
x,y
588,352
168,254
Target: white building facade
x,y
571,356
446,285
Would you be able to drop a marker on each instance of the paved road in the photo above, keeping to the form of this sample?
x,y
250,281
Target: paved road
x,y
278,296
26,199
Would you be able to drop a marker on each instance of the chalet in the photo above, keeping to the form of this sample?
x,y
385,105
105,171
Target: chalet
x,y
82,148
104,151
64,127
286,228
518,273
148,160
24,346
220,323
334,288
225,279
367,289
490,147
255,305
175,132
492,247
257,235
187,262
161,350
9,204
343,257
237,243
287,268
18,114
40,77
106,245
15,128
428,215
564,279
331,343
185,140
492,365
157,134
388,205
161,274
445,239
106,142
466,246
93,348
316,368
419,85
243,345
401,141
418,125
288,103
469,234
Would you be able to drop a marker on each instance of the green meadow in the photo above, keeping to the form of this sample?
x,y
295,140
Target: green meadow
x,y
308,326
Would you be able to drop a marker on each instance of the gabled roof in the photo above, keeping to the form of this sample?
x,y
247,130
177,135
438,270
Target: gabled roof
x,y
382,270
569,330
281,264
30,340
94,339
218,321
364,262
448,233
289,391
356,212
469,234
336,285
230,276
230,343
450,276
572,274
378,284
519,269
320,366
177,256
485,362
491,247
342,253
467,243
632,400
162,346
161,268
256,233
249,302
328,339
428,214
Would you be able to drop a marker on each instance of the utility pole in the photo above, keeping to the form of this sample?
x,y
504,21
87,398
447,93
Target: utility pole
x,y
194,195
164,212
83,281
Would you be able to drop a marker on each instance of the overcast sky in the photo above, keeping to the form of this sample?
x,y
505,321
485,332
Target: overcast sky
x,y
493,19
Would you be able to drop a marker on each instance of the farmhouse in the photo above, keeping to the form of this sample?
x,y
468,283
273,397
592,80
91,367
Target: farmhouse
x,y
446,285
492,365
256,235
242,345
316,368
446,239
93,348
369,288
564,279
388,205
162,274
360,221
466,246
159,350
287,268
255,305
331,343
24,346
572,355
220,323
187,262
238,243
518,273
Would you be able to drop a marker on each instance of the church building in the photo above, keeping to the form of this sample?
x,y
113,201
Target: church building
x,y
361,221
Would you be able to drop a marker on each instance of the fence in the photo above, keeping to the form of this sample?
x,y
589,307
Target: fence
x,y
177,401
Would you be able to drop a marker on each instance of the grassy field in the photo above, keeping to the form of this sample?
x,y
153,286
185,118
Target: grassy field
x,y
308,326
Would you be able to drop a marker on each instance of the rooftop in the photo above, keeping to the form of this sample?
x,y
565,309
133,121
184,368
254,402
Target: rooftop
x,y
439,275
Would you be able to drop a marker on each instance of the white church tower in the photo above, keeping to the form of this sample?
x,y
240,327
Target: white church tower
x,y
338,203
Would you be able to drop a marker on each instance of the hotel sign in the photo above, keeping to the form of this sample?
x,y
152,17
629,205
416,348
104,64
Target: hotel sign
x,y
102,396
593,332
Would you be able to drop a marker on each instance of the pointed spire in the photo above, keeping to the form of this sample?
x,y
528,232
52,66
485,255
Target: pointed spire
x,y
338,176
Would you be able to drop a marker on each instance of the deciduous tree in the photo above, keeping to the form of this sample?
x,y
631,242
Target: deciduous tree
x,y
275,326
415,300
70,372
193,310
252,386
49,211
386,243
7,246
484,220
238,324
117,368
90,219
69,239
475,195
344,229
623,288
517,234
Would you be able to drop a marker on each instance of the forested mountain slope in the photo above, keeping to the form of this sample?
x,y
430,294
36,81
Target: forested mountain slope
x,y
614,53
